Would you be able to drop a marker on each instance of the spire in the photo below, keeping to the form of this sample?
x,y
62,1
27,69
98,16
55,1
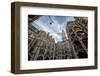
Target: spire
x,y
63,36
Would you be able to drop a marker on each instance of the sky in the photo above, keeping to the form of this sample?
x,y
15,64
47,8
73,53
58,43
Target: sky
x,y
54,25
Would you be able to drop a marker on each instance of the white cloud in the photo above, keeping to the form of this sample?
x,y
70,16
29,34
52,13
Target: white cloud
x,y
51,24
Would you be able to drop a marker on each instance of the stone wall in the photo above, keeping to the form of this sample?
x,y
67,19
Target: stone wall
x,y
78,36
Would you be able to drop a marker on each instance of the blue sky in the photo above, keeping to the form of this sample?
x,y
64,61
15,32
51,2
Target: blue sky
x,y
53,25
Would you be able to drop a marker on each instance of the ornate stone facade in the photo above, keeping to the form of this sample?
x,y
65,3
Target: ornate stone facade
x,y
41,46
78,36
